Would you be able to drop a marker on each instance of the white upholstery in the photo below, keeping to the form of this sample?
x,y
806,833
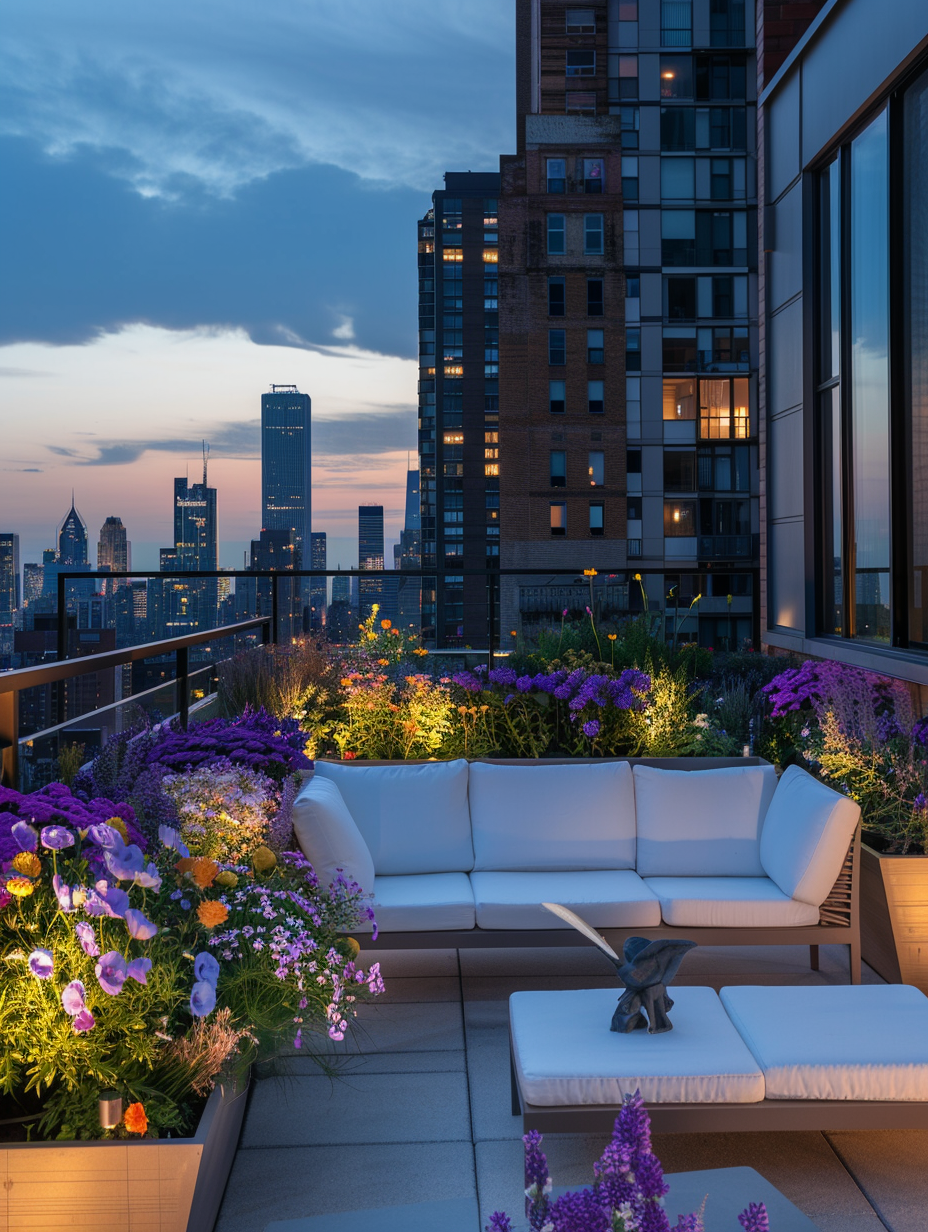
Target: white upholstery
x,y
838,1041
426,902
565,1053
414,819
728,902
565,817
806,834
701,823
603,899
327,834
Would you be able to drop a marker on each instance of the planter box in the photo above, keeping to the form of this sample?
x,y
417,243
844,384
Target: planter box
x,y
894,916
150,1185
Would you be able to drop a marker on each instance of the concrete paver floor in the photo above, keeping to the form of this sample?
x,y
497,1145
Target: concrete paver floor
x,y
420,1109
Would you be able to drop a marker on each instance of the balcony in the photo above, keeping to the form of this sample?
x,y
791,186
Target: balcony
x,y
727,547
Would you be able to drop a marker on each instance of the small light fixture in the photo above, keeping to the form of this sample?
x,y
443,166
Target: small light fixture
x,y
676,515
110,1106
668,76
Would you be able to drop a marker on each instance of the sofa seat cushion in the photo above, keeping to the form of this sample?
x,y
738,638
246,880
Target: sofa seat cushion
x,y
807,831
728,902
701,823
564,817
328,837
565,1053
868,1041
426,902
414,818
615,899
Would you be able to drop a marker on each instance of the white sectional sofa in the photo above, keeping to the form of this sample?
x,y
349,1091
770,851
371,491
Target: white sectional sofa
x,y
464,853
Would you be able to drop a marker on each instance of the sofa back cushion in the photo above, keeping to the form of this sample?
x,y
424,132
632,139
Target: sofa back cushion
x,y
328,836
701,823
413,818
807,831
536,818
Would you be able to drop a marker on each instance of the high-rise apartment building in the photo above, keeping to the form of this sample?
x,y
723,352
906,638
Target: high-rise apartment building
x,y
286,464
10,601
370,557
185,604
113,550
318,587
459,404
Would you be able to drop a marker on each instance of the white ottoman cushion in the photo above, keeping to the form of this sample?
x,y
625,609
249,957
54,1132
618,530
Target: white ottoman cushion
x,y
565,1053
427,902
604,900
868,1041
413,818
807,831
327,834
701,823
728,902
535,818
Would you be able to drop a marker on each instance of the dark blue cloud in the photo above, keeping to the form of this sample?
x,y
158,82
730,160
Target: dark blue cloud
x,y
286,259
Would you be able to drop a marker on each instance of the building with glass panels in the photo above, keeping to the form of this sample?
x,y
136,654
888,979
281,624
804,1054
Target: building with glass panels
x,y
10,601
845,328
370,557
286,464
318,587
459,463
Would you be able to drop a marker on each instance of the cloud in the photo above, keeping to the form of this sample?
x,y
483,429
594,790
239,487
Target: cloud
x,y
16,373
225,92
345,330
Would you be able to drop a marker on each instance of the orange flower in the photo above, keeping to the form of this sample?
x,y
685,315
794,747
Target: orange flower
x,y
184,864
384,662
386,624
348,755
27,862
135,1119
210,913
204,871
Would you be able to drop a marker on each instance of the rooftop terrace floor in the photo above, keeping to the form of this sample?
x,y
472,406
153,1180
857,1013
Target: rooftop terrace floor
x,y
421,1110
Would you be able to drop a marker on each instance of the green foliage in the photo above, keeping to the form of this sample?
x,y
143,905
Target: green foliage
x,y
69,760
385,719
666,724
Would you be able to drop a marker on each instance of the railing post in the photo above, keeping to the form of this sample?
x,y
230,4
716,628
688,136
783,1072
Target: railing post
x,y
275,627
9,738
182,675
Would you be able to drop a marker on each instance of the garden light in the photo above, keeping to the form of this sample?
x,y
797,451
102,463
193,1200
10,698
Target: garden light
x,y
110,1106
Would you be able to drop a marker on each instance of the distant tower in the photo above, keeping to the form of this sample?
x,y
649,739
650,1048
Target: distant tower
x,y
191,605
72,538
9,589
370,556
113,550
318,587
32,582
286,464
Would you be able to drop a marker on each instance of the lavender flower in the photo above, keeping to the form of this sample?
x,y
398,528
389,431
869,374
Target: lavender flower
x,y
63,894
139,926
499,1223
754,1219
72,998
41,964
87,938
138,970
56,838
25,836
591,728
205,967
111,971
202,999
83,1022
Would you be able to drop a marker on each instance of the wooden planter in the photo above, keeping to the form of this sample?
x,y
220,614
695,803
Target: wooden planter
x,y
894,916
149,1185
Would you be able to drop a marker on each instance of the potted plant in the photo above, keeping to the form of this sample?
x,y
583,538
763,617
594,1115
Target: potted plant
x,y
860,733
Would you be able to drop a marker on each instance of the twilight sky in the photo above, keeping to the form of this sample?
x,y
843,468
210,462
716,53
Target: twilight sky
x,y
200,200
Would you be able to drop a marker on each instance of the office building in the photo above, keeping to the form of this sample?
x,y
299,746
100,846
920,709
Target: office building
x,y
32,582
459,461
286,464
844,399
10,600
113,551
72,539
185,605
69,557
407,556
370,557
318,587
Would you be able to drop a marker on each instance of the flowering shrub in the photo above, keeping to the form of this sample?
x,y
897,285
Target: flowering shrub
x,y
151,973
224,810
382,643
256,740
55,805
386,719
627,1192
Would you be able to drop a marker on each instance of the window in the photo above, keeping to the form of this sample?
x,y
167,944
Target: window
x,y
633,508
720,128
678,129
723,298
724,409
721,237
558,468
679,519
630,177
676,77
679,349
679,400
676,23
633,286
594,397
721,78
633,461
556,297
581,63
557,395
629,121
677,179
724,468
678,237
623,77
724,349
915,189
556,176
679,470
628,10
726,23
491,468
581,21
724,517
558,516
580,103
490,291
594,174
592,233
680,298
594,346
633,350
556,234
557,346
596,468
594,297
597,521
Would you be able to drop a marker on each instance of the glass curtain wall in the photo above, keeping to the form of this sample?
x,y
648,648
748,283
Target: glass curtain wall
x,y
915,144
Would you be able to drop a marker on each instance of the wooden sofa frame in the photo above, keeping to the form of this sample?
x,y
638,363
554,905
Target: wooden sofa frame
x,y
839,915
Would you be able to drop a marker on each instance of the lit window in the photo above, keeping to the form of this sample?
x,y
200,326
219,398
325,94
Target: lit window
x,y
724,409
491,438
594,174
491,256
556,234
491,468
556,175
454,369
679,519
679,400
490,452
558,518
452,254
593,233
596,468
581,21
581,63
453,438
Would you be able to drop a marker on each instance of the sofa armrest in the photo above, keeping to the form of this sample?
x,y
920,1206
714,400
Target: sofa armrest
x,y
838,907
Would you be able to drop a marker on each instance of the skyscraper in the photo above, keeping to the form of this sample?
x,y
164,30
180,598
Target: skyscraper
x,y
72,539
370,556
113,550
318,586
32,582
188,604
9,591
407,555
459,404
286,464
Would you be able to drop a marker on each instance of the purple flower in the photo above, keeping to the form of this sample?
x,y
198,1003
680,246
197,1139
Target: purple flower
x,y
25,835
63,894
185,904
111,971
139,926
754,1219
105,836
41,964
205,967
591,728
124,862
499,1223
149,878
170,838
56,838
84,1021
115,901
86,937
138,970
202,999
72,998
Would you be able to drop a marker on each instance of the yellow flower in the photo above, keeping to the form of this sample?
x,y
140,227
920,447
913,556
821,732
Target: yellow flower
x,y
79,897
612,636
386,624
22,887
263,859
384,662
227,878
637,577
119,826
513,632
210,913
27,862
